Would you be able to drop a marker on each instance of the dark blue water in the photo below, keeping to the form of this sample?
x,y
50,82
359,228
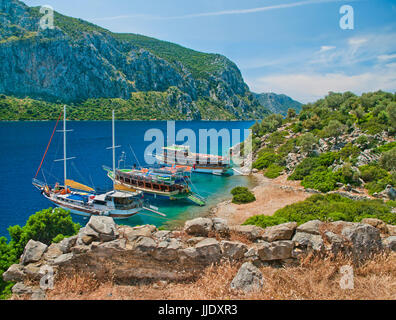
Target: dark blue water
x,y
23,144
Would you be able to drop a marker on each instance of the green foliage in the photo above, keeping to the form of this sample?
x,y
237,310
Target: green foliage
x,y
388,160
307,142
47,226
242,195
349,152
265,159
386,147
331,207
322,179
273,171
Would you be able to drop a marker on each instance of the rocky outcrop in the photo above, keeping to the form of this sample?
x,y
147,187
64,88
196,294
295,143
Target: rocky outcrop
x,y
133,254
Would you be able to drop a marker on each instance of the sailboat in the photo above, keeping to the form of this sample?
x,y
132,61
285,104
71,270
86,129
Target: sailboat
x,y
82,200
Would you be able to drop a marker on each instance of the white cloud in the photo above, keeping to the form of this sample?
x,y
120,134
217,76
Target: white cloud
x,y
326,48
308,87
387,57
224,12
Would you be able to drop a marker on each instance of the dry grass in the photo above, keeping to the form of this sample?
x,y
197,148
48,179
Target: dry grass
x,y
313,279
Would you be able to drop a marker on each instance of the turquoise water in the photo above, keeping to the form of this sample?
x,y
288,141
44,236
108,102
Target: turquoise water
x,y
23,144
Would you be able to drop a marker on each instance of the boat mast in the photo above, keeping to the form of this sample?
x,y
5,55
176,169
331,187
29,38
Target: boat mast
x,y
64,148
113,147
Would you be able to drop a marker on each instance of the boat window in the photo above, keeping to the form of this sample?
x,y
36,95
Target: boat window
x,y
100,202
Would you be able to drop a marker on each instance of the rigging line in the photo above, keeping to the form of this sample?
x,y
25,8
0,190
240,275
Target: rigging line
x,y
45,153
137,160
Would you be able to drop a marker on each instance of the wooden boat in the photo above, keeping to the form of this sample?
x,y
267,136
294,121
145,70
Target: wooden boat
x,y
169,183
200,163
82,200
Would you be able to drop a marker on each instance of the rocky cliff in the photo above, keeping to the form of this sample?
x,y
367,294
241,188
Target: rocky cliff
x,y
77,60
277,103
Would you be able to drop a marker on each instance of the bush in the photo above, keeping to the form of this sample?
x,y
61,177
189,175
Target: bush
x,y
273,171
242,195
265,159
388,160
372,172
331,207
47,226
323,180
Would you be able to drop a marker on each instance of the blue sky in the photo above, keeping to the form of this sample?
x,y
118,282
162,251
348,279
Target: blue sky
x,y
294,47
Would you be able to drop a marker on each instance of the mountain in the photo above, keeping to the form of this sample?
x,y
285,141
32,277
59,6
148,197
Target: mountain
x,y
277,103
77,61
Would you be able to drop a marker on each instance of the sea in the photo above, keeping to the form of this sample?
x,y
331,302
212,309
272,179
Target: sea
x,y
23,144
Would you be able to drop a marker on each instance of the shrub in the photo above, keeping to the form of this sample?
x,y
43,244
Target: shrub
x,y
237,190
323,180
245,197
388,160
372,172
242,195
273,171
265,159
331,207
307,142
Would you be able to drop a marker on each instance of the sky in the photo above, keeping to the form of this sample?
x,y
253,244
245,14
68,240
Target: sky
x,y
295,47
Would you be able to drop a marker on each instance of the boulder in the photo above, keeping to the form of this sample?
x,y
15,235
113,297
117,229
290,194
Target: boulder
x,y
52,252
162,235
233,250
389,243
365,240
144,245
168,250
220,225
248,279
251,232
277,250
20,288
209,250
14,273
335,241
63,259
38,294
198,226
33,252
66,244
194,240
188,254
376,223
283,231
118,244
140,231
86,236
308,241
105,227
391,229
311,227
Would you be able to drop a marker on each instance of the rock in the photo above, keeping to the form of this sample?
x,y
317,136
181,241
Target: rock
x,y
105,227
389,243
365,240
63,259
277,250
38,294
233,250
33,271
377,223
198,226
193,241
283,231
251,232
336,242
20,289
391,229
255,170
308,241
66,244
209,250
162,235
52,252
79,249
311,227
188,254
139,231
168,250
144,245
86,236
220,226
118,244
33,252
248,279
14,273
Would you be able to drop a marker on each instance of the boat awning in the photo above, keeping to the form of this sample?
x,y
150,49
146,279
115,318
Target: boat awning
x,y
78,186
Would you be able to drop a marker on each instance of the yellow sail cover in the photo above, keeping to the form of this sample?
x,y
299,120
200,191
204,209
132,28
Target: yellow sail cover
x,y
78,186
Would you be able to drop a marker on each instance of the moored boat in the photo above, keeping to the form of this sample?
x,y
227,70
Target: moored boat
x,y
200,163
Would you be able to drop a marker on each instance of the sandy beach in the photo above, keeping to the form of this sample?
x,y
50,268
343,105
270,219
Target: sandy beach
x,y
271,195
